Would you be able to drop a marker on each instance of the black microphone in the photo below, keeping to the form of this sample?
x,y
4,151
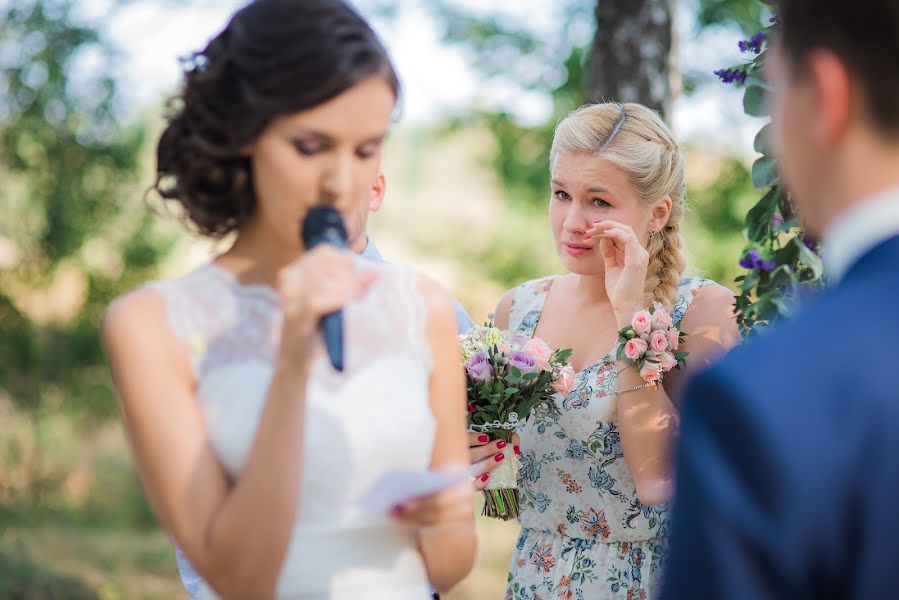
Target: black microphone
x,y
324,225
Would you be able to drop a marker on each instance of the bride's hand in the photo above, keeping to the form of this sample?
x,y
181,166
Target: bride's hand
x,y
626,262
321,281
448,507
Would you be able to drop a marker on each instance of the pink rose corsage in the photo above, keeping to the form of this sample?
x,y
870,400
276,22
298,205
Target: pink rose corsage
x,y
651,342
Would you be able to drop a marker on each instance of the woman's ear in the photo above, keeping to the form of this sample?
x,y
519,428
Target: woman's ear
x,y
660,214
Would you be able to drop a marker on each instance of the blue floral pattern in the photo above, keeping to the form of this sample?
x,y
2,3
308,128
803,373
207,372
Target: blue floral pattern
x,y
585,534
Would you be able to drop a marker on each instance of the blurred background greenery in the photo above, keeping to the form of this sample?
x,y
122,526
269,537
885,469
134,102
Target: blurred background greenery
x,y
466,202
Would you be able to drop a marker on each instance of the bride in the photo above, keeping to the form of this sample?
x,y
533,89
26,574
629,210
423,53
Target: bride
x,y
251,448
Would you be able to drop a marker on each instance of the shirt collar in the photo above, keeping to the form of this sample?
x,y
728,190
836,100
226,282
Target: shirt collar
x,y
859,230
371,252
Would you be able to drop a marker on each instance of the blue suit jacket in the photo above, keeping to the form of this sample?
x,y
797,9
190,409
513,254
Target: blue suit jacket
x,y
788,466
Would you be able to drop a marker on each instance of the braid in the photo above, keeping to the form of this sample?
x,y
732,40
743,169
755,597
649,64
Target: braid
x,y
666,265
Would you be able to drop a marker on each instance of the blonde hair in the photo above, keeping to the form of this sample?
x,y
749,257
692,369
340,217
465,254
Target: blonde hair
x,y
635,139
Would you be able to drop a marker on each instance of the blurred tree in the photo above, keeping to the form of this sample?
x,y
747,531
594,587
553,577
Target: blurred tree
x,y
630,58
69,242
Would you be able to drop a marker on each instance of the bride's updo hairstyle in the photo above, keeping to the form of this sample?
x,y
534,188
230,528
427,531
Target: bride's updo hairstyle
x,y
275,57
635,139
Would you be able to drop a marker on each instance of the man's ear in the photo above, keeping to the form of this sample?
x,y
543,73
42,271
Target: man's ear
x,y
377,193
833,95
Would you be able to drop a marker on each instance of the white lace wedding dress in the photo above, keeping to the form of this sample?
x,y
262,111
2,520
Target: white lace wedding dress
x,y
372,418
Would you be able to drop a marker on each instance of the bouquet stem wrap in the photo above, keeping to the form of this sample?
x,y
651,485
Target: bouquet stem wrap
x,y
501,492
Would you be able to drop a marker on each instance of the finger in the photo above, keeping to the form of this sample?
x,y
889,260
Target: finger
x,y
487,464
477,439
625,239
480,483
481,452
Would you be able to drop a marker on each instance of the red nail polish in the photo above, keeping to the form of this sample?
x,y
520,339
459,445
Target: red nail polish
x,y
499,457
485,476
501,444
483,439
517,450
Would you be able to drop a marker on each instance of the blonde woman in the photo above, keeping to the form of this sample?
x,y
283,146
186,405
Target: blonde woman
x,y
596,477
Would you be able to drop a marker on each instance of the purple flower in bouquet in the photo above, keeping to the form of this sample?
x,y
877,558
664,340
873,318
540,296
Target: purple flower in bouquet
x,y
478,367
523,361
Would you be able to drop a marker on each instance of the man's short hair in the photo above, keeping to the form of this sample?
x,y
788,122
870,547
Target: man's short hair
x,y
864,34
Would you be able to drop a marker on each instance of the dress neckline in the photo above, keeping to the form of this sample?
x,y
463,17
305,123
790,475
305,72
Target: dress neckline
x,y
544,293
255,289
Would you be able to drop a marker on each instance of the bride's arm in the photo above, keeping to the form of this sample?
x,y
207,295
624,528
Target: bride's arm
x,y
447,539
235,533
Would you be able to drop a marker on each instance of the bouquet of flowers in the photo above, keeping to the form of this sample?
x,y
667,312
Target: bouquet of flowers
x,y
508,375
651,342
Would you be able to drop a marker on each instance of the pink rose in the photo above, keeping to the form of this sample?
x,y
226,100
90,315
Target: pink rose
x,y
658,341
661,319
642,322
667,361
565,381
674,338
541,351
635,348
650,371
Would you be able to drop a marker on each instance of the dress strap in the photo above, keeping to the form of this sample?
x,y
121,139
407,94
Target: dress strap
x,y
527,305
686,292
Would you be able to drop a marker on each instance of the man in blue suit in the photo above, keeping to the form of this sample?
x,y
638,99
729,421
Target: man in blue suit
x,y
788,466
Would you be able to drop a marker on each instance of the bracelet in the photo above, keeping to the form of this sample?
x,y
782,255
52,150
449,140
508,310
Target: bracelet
x,y
654,384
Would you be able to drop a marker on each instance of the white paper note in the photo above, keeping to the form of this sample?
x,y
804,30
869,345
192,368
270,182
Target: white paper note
x,y
398,486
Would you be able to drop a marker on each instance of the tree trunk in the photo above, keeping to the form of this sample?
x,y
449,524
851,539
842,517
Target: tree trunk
x,y
631,57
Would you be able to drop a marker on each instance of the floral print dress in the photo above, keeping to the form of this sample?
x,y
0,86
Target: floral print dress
x,y
585,534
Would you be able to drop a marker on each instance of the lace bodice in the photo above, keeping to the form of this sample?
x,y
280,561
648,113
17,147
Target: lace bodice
x,y
371,418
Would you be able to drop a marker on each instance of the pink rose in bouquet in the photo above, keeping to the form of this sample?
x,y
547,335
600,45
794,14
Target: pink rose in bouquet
x,y
661,319
650,371
642,322
658,340
635,349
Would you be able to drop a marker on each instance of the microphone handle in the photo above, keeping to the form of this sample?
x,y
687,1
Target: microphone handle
x,y
332,329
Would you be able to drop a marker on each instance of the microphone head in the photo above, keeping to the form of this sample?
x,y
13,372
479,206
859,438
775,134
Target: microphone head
x,y
323,223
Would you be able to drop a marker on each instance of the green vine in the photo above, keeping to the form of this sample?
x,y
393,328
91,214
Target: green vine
x,y
782,263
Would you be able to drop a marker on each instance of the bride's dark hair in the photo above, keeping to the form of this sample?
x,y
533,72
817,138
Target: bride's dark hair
x,y
275,57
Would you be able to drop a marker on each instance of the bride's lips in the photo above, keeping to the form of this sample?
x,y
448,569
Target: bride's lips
x,y
576,249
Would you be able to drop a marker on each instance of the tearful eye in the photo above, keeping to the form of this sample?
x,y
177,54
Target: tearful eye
x,y
600,203
562,195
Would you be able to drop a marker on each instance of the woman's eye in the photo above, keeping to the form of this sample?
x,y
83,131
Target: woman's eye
x,y
307,148
562,195
600,203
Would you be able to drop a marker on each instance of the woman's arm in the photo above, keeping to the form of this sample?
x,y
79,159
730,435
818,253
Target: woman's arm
x,y
648,418
235,533
446,535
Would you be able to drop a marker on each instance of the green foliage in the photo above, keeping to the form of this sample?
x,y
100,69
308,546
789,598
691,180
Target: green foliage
x,y
67,161
782,265
749,15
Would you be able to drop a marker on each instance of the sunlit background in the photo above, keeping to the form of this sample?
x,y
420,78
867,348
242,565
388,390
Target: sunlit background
x,y
82,96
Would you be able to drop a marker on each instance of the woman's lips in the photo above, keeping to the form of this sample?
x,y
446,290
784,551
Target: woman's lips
x,y
576,249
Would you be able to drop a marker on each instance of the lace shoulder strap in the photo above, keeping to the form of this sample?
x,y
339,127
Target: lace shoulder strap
x,y
527,304
686,292
208,311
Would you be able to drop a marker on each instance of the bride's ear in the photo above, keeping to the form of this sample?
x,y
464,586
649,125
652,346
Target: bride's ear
x,y
660,214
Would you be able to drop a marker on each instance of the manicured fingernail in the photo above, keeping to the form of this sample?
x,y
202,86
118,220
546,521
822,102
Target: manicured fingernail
x,y
483,438
501,444
485,476
517,450
499,457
